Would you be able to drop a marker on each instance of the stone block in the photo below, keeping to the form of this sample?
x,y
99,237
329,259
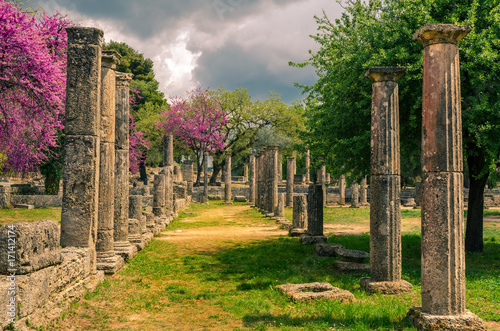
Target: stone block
x,y
351,255
36,246
306,239
315,291
240,198
463,322
389,287
296,232
345,266
327,250
24,206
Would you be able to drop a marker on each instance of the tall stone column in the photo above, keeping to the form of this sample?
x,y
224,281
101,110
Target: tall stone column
x,y
137,221
122,105
314,216
363,199
82,140
443,252
273,178
280,166
245,172
308,166
227,181
106,258
289,181
385,213
159,197
168,150
354,195
299,220
205,178
342,190
322,181
279,212
187,173
251,180
259,178
168,166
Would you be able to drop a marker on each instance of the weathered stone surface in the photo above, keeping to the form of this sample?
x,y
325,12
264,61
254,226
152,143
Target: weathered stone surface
x,y
315,210
289,181
135,207
274,166
5,194
122,104
106,210
354,195
296,232
108,96
342,190
135,234
307,239
308,166
36,246
352,255
240,198
418,194
38,201
327,250
363,200
251,179
466,321
168,150
125,249
396,287
410,202
180,190
299,219
279,212
159,194
346,266
23,206
44,294
80,187
187,171
169,190
315,291
82,115
385,228
431,34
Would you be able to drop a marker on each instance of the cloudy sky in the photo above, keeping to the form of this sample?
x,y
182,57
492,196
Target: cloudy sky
x,y
233,43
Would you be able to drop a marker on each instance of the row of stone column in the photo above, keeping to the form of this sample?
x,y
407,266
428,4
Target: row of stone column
x,y
97,212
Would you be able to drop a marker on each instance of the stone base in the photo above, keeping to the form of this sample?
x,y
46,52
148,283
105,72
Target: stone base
x,y
227,203
271,215
153,229
278,219
423,321
136,240
306,239
327,250
110,265
351,266
125,250
297,232
315,291
370,286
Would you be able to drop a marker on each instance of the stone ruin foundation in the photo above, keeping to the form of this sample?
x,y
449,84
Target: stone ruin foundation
x,y
315,291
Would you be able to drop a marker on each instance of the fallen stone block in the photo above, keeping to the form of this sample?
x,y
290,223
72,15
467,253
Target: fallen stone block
x,y
24,206
315,291
327,250
240,198
306,239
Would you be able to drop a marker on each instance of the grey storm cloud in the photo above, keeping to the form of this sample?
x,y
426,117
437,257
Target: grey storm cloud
x,y
211,43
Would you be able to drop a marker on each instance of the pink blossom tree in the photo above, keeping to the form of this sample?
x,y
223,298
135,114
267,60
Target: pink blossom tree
x,y
32,86
198,121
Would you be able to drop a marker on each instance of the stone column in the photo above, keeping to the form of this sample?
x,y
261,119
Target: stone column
x,y
258,188
279,212
227,181
136,222
363,193
280,166
168,150
82,139
106,258
273,178
443,252
323,182
308,166
205,178
120,230
5,192
418,194
354,195
159,197
187,173
245,172
314,216
385,213
251,180
299,215
289,181
342,190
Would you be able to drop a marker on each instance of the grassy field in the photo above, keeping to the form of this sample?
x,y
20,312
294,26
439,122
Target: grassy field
x,y
29,215
211,271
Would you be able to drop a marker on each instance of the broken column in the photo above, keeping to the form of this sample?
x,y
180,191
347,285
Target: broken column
x,y
354,195
245,172
251,180
136,222
342,190
120,229
385,213
299,219
205,178
363,194
80,173
314,216
279,212
289,181
106,258
443,252
227,180
187,171
159,197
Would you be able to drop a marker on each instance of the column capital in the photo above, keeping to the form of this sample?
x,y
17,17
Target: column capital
x,y
110,59
123,78
380,74
273,148
431,34
84,35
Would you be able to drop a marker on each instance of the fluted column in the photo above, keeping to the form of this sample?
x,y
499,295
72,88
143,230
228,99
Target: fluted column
x,y
273,178
289,181
251,180
80,174
308,166
205,178
385,213
443,251
342,190
227,181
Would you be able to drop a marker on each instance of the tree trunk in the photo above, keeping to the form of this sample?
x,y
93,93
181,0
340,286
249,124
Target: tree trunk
x,y
199,166
52,180
477,183
142,172
215,173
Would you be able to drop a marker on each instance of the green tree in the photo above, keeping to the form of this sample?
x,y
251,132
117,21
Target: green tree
x,y
379,33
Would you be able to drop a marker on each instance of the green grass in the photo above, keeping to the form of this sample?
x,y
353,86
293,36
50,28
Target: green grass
x,y
9,215
235,283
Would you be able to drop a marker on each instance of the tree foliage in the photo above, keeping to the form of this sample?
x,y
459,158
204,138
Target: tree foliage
x,y
32,86
379,33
